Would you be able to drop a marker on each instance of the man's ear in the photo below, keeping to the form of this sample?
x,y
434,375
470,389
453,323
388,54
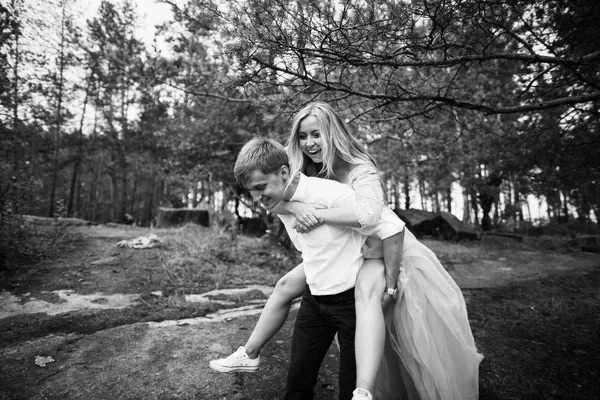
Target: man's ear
x,y
285,172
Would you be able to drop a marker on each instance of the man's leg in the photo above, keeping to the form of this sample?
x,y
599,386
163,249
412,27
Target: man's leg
x,y
343,316
310,342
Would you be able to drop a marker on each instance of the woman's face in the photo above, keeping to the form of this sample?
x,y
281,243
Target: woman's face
x,y
309,138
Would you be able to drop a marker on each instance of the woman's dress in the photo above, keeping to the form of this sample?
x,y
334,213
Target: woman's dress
x,y
429,343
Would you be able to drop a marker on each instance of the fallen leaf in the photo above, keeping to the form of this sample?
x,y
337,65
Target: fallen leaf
x,y
42,361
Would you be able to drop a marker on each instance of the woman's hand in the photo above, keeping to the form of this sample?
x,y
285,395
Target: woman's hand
x,y
386,300
301,228
307,216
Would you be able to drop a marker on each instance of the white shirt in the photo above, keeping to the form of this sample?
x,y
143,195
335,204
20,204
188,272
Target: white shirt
x,y
332,254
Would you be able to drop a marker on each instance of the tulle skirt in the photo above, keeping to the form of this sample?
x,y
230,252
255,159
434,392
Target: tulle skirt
x,y
430,353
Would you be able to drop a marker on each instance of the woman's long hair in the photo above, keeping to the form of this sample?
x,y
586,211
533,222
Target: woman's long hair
x,y
337,141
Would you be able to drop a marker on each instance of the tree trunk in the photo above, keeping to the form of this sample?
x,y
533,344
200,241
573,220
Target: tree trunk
x,y
594,196
210,196
496,212
77,165
518,204
194,194
78,195
466,205
96,193
395,194
149,200
16,65
58,113
486,207
529,212
406,191
54,178
122,148
422,194
114,191
72,189
565,207
475,208
94,176
134,191
584,206
88,204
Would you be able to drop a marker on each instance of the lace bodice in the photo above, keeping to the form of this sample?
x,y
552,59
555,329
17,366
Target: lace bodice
x,y
364,180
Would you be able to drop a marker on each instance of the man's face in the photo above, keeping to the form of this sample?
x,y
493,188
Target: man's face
x,y
268,188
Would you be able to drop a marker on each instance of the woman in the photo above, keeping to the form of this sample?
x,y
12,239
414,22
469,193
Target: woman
x,y
420,330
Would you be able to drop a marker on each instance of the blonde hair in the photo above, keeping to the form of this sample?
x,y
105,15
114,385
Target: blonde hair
x,y
262,154
337,141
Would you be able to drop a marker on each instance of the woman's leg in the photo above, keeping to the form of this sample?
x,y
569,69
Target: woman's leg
x,y
276,310
370,326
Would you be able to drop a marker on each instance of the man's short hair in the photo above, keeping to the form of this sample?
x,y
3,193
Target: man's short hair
x,y
262,154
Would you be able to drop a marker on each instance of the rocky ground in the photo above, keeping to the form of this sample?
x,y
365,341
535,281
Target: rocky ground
x,y
90,325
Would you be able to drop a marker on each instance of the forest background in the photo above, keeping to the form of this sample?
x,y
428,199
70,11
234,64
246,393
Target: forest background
x,y
497,98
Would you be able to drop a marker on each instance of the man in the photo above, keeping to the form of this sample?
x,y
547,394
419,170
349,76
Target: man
x,y
331,256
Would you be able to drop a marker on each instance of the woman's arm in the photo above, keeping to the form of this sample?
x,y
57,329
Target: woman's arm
x,y
392,257
343,215
362,210
306,214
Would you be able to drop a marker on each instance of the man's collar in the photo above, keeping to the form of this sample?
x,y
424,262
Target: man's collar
x,y
291,186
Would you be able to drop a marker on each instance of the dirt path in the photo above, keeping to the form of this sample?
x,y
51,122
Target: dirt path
x,y
98,331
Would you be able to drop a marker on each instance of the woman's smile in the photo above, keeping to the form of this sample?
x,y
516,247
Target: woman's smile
x,y
312,153
310,139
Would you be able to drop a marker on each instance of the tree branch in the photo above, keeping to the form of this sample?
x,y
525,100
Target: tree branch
x,y
571,100
204,94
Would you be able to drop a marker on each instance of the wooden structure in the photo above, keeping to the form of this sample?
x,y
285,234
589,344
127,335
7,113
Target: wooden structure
x,y
442,224
513,236
253,226
168,217
587,243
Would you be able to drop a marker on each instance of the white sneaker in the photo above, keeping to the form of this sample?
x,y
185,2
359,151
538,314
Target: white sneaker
x,y
236,362
361,394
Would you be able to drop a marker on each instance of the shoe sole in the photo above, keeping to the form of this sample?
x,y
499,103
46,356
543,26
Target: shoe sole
x,y
221,368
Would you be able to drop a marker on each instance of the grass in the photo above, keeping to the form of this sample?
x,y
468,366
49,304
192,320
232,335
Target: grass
x,y
24,240
539,339
212,260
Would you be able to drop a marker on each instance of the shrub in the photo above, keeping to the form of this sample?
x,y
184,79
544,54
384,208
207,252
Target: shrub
x,y
19,239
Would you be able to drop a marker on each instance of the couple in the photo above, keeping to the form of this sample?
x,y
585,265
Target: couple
x,y
419,346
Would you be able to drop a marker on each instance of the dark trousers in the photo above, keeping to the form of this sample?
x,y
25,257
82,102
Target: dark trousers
x,y
318,320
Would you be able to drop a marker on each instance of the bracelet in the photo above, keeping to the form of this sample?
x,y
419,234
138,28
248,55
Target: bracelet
x,y
393,292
